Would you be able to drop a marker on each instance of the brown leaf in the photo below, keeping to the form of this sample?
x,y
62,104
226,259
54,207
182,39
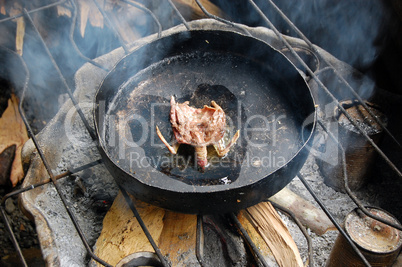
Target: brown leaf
x,y
16,9
6,162
89,11
191,11
19,37
84,12
63,11
95,16
13,132
3,7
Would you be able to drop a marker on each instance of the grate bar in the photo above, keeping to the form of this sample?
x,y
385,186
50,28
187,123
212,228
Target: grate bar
x,y
141,7
302,229
329,215
68,89
144,227
179,15
106,17
12,236
314,49
34,10
56,185
199,251
246,236
312,74
71,37
347,188
46,164
21,190
200,237
48,180
234,25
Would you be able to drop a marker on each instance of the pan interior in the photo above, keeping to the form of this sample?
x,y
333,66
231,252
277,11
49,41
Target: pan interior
x,y
257,101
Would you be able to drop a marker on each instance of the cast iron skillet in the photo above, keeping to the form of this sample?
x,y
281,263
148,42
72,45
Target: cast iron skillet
x,y
260,91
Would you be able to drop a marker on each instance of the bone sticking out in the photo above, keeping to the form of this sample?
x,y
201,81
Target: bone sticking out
x,y
201,154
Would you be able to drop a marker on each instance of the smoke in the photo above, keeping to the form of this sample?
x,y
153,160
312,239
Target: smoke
x,y
353,31
61,29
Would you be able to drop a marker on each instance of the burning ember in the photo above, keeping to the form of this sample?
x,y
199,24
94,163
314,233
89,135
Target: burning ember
x,y
199,128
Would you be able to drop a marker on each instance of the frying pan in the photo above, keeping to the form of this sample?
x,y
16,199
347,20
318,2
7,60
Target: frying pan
x,y
261,92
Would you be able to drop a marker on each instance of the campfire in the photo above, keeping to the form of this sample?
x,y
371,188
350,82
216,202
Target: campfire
x,y
314,156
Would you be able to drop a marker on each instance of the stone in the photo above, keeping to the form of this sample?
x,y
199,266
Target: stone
x,y
9,205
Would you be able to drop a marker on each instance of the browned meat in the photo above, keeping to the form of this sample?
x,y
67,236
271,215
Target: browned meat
x,y
199,128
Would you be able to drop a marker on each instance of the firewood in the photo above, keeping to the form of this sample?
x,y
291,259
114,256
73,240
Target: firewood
x,y
178,236
308,214
174,233
275,234
191,11
122,235
13,132
20,33
257,239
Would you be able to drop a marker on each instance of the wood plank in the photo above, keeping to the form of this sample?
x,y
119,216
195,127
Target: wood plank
x,y
121,233
174,233
265,251
270,226
178,238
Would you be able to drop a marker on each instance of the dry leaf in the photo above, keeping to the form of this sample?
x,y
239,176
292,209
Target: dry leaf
x,y
84,12
19,37
13,131
63,11
95,16
3,7
89,11
191,11
16,9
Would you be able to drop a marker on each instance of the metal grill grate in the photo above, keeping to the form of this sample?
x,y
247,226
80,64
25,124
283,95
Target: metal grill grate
x,y
54,178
